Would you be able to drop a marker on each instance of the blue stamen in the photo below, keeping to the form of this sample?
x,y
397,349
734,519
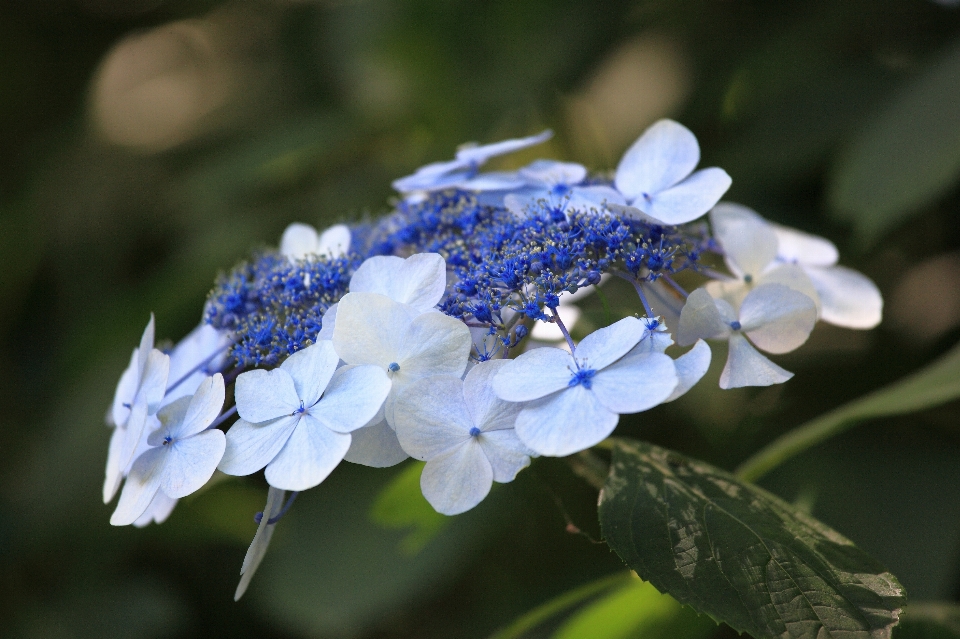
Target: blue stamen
x,y
474,432
582,377
167,440
393,367
735,325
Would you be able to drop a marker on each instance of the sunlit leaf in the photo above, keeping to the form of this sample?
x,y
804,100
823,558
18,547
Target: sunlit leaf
x,y
907,157
739,554
931,386
930,620
557,607
636,610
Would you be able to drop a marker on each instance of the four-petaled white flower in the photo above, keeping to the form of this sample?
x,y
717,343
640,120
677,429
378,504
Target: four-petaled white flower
x,y
656,175
775,318
575,401
373,329
183,456
139,394
461,172
418,281
750,246
296,419
465,434
301,241
556,186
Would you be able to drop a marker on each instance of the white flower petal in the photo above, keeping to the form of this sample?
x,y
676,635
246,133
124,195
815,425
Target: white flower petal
x,y
299,241
204,407
311,370
487,411
747,367
700,319
142,484
666,153
126,390
153,384
370,328
457,480
192,359
375,445
566,422
250,447
354,396
170,418
804,248
792,276
335,241
191,463
479,154
159,509
505,452
328,322
114,470
534,374
264,395
309,456
419,280
261,540
431,416
146,346
688,200
586,198
550,172
602,347
848,298
434,344
776,318
636,383
748,241
135,431
691,366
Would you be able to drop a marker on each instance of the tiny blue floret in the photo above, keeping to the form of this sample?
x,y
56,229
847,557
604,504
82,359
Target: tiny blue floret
x,y
582,376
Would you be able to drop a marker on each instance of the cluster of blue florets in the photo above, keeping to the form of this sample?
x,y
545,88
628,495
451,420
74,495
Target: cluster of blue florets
x,y
505,269
273,306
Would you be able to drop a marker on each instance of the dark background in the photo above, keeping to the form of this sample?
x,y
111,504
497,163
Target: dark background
x,y
146,145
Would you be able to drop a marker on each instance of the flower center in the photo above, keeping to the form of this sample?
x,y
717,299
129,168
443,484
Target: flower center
x,y
474,432
735,325
582,377
393,367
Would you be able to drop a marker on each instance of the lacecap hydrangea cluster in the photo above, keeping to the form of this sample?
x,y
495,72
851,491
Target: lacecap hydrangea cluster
x,y
442,331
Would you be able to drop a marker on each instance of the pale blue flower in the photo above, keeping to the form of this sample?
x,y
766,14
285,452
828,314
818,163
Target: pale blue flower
x,y
656,176
556,188
775,318
296,420
573,401
183,453
465,434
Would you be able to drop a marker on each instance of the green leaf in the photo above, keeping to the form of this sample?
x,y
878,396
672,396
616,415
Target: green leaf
x,y
907,157
401,506
739,554
930,620
935,384
636,610
561,605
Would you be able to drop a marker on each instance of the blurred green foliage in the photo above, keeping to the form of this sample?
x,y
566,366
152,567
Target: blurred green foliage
x,y
148,144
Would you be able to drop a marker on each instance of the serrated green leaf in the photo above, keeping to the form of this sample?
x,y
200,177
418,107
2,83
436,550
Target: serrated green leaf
x,y
930,620
401,506
907,157
935,384
739,554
